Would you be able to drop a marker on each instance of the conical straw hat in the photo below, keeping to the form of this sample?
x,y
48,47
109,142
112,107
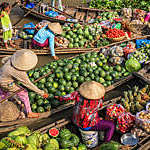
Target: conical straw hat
x,y
24,60
92,90
55,27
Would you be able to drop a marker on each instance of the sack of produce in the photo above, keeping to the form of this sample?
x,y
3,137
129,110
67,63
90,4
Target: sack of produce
x,y
27,27
132,65
125,121
143,120
51,13
113,111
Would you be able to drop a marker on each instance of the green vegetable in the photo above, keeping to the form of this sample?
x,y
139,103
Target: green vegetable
x,y
132,65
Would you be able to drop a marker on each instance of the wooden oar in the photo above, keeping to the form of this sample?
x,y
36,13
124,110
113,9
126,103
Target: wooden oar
x,y
27,13
14,4
21,89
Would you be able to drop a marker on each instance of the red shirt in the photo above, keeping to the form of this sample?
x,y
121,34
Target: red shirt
x,y
85,113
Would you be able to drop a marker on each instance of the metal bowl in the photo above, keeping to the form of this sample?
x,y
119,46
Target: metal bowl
x,y
129,139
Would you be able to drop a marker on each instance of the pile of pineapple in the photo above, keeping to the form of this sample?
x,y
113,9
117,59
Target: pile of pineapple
x,y
135,100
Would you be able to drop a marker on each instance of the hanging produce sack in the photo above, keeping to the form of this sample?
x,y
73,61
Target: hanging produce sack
x,y
125,121
29,28
113,111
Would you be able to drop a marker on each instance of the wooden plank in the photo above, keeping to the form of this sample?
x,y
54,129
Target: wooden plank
x,y
118,83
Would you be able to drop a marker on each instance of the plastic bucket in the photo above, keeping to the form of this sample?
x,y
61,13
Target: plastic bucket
x,y
90,138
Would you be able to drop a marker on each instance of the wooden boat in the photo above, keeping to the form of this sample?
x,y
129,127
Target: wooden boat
x,y
39,12
80,14
46,117
144,142
59,51
65,122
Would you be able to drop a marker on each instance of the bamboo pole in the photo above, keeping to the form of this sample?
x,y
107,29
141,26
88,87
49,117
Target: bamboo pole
x,y
21,89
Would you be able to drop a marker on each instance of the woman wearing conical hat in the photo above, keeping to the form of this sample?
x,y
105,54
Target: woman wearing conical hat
x,y
88,100
13,70
45,37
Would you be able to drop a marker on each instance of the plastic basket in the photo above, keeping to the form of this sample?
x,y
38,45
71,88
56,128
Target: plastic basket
x,y
90,138
143,123
148,107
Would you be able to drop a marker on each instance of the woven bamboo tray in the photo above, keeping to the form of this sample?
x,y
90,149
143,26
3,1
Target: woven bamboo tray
x,y
118,39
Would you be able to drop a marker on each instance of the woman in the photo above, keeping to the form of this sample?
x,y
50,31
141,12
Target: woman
x,y
60,7
87,103
13,70
46,35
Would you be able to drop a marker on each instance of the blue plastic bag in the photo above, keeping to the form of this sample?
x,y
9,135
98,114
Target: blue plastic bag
x,y
30,6
29,31
51,13
141,42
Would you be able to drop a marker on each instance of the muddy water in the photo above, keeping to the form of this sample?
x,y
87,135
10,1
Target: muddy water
x,y
18,13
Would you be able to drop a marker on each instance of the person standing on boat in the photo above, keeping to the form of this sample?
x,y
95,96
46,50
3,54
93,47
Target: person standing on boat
x,y
13,70
87,103
6,24
45,37
59,4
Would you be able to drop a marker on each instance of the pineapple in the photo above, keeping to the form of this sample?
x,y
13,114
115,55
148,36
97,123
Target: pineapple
x,y
138,98
143,102
126,96
136,89
139,107
144,90
127,106
132,106
131,96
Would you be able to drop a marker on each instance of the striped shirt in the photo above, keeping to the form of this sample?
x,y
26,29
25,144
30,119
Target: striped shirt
x,y
42,35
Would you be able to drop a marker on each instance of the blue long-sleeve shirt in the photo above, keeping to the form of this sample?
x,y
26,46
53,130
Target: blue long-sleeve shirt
x,y
42,35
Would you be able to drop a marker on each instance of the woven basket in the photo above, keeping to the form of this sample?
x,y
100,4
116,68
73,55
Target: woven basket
x,y
136,28
117,39
146,146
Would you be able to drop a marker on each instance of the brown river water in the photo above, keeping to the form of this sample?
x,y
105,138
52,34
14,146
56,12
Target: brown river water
x,y
18,13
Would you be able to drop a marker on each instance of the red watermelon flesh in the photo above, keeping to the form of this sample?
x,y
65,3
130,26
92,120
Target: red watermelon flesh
x,y
54,132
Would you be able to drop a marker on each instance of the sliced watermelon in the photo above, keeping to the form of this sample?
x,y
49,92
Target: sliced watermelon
x,y
53,132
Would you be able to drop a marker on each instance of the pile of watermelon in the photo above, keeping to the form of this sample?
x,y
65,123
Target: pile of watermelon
x,y
23,139
83,36
68,75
